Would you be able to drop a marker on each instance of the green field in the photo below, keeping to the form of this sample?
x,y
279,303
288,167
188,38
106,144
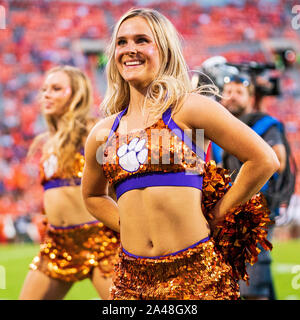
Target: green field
x,y
14,260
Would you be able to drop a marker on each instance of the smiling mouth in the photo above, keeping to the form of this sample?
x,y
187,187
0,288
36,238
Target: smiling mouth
x,y
133,63
48,105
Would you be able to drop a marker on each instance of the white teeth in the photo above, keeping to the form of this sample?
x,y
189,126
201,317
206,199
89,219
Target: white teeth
x,y
132,63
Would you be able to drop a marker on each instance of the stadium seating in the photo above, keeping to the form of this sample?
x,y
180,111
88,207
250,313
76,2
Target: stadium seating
x,y
40,34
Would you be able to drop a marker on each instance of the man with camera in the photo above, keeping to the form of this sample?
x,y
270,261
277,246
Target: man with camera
x,y
239,99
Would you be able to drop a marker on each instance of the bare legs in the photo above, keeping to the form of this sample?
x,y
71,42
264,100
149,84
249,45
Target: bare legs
x,y
101,284
38,286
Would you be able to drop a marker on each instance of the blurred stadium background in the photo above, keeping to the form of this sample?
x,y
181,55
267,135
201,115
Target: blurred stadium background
x,y
38,34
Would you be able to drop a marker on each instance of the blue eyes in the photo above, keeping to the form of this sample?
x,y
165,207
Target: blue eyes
x,y
55,89
142,40
122,42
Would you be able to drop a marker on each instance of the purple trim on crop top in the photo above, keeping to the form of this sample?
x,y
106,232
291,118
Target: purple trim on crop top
x,y
176,179
169,122
58,182
144,180
73,226
166,255
116,123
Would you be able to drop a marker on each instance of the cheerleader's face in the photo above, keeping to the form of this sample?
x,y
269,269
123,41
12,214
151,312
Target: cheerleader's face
x,y
56,93
136,53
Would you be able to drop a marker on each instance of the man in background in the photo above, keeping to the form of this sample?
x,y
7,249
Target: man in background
x,y
239,98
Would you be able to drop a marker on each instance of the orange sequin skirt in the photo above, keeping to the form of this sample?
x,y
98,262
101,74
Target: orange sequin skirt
x,y
196,273
71,253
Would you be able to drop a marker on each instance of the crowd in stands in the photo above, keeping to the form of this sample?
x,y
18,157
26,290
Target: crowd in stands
x,y
40,34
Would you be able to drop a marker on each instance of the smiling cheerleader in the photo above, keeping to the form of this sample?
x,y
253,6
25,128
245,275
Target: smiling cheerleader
x,y
168,249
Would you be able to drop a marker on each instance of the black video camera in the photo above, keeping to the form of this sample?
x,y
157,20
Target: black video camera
x,y
264,77
215,70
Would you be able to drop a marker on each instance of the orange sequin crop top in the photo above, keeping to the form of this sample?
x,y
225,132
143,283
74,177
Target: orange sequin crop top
x,y
50,178
160,155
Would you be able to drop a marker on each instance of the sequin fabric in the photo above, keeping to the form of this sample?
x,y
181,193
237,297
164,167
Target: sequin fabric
x,y
243,228
71,254
198,273
166,153
49,168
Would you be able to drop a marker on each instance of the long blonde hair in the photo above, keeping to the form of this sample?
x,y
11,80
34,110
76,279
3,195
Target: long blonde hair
x,y
68,138
172,82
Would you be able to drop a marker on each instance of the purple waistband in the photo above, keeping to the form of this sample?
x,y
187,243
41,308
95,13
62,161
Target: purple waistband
x,y
166,255
56,183
179,179
73,226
